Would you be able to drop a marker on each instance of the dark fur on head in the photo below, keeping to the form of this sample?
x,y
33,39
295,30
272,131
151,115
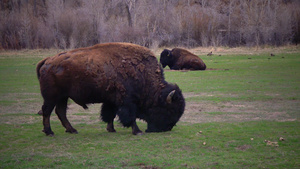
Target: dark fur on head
x,y
166,58
165,115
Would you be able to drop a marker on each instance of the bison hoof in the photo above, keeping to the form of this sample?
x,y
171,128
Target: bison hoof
x,y
138,133
111,130
72,131
48,133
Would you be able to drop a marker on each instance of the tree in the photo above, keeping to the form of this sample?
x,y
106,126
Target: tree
x,y
77,23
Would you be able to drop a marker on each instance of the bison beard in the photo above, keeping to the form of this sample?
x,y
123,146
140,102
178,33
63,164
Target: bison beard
x,y
125,77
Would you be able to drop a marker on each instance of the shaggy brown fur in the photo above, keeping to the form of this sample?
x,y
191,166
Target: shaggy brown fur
x,y
125,77
179,59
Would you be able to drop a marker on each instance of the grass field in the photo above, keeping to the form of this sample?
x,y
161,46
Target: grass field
x,y
236,113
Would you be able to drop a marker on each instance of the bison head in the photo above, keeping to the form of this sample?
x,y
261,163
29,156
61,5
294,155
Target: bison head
x,y
166,58
167,112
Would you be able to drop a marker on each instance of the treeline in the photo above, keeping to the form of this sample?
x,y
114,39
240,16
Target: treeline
x,y
78,23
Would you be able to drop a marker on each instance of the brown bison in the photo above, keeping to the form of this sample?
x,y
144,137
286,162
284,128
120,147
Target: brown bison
x,y
179,59
125,77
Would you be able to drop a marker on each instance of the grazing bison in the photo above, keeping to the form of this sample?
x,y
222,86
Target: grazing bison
x,y
179,59
125,77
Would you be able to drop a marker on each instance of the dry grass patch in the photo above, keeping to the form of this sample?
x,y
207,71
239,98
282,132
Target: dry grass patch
x,y
208,111
216,51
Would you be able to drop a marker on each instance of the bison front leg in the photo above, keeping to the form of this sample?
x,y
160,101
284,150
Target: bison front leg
x,y
108,114
61,111
127,116
135,129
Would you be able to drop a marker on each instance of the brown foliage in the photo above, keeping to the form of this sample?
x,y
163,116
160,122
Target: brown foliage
x,y
78,23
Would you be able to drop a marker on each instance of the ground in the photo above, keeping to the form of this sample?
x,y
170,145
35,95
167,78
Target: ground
x,y
242,112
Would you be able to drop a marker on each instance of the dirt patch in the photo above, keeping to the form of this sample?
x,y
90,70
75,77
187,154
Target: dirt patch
x,y
209,111
76,114
30,53
24,110
144,166
243,147
216,51
208,69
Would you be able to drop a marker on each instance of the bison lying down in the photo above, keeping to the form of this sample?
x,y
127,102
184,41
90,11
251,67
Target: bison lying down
x,y
179,59
125,77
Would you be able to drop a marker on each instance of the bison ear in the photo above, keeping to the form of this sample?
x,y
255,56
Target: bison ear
x,y
170,96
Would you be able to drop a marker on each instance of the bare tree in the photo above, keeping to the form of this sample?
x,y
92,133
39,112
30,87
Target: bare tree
x,y
77,23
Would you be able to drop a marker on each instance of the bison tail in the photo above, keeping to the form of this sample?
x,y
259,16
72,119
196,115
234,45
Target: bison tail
x,y
39,65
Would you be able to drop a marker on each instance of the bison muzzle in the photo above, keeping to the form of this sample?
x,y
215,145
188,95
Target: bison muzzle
x,y
125,77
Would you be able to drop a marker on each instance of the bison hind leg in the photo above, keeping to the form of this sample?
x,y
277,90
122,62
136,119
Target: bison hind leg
x,y
47,109
40,112
108,114
61,111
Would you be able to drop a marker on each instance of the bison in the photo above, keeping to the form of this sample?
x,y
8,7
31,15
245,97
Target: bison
x,y
126,78
179,59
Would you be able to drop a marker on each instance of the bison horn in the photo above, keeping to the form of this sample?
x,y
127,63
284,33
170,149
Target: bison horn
x,y
169,52
169,97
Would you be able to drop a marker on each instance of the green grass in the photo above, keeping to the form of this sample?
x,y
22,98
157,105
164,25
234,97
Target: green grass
x,y
248,79
242,102
228,145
